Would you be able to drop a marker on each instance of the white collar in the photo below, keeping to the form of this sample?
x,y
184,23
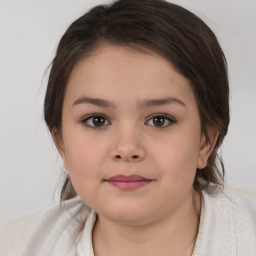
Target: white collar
x,y
227,223
85,246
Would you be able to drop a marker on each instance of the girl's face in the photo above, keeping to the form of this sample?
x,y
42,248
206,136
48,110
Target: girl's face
x,y
131,135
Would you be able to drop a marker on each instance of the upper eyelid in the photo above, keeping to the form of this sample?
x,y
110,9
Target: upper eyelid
x,y
151,116
162,114
94,114
88,117
169,118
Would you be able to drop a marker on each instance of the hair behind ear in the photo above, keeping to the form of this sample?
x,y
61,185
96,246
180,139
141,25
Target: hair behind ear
x,y
58,141
67,191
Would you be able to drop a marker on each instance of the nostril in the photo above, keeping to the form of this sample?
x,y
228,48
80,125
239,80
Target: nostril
x,y
133,157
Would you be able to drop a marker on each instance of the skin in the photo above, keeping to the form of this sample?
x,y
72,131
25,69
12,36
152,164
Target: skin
x,y
162,217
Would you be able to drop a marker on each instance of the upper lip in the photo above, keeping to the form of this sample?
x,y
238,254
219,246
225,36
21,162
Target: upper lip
x,y
133,177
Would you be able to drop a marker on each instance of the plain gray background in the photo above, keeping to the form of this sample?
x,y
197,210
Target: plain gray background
x,y
29,32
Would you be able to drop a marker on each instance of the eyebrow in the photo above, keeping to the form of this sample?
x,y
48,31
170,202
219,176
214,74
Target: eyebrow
x,y
94,101
160,102
141,104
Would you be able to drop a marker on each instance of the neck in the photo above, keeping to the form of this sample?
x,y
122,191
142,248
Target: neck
x,y
174,234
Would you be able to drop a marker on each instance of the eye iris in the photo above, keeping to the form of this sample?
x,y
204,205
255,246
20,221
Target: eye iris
x,y
158,121
98,120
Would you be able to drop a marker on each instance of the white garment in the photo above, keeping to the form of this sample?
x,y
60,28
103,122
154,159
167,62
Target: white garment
x,y
85,246
14,234
60,230
227,225
223,229
227,228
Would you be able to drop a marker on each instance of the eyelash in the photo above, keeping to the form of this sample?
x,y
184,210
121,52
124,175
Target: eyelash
x,y
167,118
84,120
162,115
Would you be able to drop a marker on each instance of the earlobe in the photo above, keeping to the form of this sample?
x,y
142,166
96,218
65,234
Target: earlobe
x,y
206,147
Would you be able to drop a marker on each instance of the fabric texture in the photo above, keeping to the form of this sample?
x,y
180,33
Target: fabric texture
x,y
227,228
85,247
227,225
60,230
15,234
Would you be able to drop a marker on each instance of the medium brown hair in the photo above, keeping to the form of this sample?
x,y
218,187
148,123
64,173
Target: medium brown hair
x,y
169,30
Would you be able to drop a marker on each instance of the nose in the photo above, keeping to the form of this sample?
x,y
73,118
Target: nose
x,y
128,146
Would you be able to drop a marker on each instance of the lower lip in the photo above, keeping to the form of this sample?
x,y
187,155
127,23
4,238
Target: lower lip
x,y
129,185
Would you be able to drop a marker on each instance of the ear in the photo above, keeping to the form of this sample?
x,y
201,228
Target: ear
x,y
58,141
206,147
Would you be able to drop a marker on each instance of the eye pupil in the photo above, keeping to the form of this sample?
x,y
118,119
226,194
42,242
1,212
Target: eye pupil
x,y
158,121
98,120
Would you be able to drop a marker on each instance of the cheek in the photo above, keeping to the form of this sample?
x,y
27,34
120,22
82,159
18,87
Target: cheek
x,y
82,146
85,154
177,156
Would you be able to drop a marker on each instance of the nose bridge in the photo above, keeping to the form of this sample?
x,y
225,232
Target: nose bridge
x,y
128,144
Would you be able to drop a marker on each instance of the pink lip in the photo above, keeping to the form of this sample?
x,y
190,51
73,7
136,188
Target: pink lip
x,y
128,182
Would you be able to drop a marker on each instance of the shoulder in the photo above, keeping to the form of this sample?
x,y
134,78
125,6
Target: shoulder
x,y
59,230
15,234
230,202
232,198
229,218
39,233
241,191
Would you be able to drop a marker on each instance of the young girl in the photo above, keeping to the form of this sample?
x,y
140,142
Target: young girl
x,y
138,104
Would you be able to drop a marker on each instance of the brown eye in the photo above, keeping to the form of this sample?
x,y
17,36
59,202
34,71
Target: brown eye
x,y
160,121
98,120
95,121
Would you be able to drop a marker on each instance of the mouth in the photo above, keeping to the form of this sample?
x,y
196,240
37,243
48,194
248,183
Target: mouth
x,y
128,182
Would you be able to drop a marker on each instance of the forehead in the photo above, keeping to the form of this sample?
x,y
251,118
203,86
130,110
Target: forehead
x,y
122,58
123,72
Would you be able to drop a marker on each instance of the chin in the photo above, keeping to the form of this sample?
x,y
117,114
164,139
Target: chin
x,y
128,215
